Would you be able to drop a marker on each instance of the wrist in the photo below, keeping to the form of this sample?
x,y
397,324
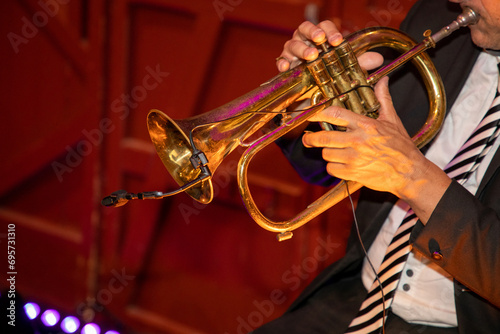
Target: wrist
x,y
425,186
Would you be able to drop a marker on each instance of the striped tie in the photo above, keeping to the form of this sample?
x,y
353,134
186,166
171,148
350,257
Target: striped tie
x,y
370,316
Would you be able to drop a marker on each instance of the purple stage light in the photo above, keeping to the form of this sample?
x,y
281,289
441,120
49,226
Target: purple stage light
x,y
50,317
32,310
70,324
111,332
91,328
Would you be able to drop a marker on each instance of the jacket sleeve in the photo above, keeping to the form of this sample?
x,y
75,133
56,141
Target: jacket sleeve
x,y
463,237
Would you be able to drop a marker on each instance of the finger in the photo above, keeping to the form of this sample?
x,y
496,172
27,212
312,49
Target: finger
x,y
327,139
302,45
339,170
308,31
296,50
322,139
338,156
382,90
283,63
386,111
332,33
336,116
370,60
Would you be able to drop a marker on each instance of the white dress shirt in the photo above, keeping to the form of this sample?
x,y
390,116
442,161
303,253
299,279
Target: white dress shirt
x,y
425,293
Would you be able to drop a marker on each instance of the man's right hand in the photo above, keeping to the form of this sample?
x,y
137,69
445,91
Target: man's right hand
x,y
303,46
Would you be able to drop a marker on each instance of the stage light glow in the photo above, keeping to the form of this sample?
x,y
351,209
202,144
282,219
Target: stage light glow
x,y
70,324
32,310
91,328
50,317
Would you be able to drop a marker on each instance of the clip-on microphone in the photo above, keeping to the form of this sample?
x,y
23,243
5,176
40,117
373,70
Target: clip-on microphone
x,y
121,197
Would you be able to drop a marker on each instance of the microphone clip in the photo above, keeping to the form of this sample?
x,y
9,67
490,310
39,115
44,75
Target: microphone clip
x,y
121,197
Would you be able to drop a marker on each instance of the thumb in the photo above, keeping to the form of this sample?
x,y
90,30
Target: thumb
x,y
386,111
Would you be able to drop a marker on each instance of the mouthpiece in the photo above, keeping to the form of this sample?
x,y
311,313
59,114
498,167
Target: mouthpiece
x,y
468,17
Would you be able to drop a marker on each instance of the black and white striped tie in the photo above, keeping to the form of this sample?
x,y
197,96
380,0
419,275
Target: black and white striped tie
x,y
370,316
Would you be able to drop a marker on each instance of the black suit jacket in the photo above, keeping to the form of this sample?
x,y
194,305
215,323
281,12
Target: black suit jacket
x,y
464,229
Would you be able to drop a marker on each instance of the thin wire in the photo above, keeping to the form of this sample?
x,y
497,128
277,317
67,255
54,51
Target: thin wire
x,y
367,257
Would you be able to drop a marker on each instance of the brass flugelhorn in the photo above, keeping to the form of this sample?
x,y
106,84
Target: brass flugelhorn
x,y
191,149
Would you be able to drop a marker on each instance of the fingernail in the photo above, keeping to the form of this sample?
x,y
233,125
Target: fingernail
x,y
311,54
336,39
283,66
317,34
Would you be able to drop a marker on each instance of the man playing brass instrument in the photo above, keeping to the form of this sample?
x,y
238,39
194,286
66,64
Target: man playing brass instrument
x,y
438,214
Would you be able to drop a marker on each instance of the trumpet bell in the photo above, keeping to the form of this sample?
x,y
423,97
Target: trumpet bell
x,y
218,132
173,147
